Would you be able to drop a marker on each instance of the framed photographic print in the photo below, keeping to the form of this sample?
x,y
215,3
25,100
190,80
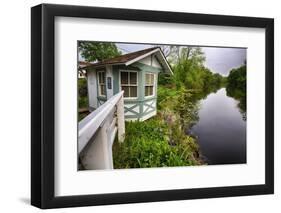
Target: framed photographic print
x,y
139,106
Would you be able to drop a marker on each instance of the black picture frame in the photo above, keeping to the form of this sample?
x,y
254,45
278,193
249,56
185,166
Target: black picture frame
x,y
43,117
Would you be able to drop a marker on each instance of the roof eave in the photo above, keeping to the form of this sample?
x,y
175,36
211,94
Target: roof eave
x,y
159,54
166,65
141,57
103,65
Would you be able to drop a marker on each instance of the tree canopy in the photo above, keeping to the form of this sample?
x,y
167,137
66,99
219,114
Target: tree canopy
x,y
97,51
190,71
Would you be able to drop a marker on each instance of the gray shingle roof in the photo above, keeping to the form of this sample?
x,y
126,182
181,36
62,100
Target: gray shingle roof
x,y
122,59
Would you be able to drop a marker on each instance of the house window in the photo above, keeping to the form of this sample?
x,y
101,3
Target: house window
x,y
109,83
129,83
149,84
101,83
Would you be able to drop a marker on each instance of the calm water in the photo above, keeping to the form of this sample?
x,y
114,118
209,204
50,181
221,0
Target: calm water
x,y
221,130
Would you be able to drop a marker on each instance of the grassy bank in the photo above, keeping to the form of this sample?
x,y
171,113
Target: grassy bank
x,y
160,141
154,144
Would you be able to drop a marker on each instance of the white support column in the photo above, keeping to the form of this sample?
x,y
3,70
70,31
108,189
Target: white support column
x,y
121,120
97,132
92,89
98,154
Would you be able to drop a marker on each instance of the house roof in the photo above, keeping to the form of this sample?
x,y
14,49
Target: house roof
x,y
130,58
83,64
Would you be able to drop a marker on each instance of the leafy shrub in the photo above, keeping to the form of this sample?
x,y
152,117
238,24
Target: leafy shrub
x,y
82,87
147,145
164,79
82,93
187,109
164,95
83,102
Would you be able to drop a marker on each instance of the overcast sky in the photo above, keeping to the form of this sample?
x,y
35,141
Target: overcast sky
x,y
218,59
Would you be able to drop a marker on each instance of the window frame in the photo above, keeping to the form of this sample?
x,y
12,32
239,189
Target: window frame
x,y
99,84
154,79
137,83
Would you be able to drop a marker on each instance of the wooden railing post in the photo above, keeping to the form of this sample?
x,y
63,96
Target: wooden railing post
x,y
120,120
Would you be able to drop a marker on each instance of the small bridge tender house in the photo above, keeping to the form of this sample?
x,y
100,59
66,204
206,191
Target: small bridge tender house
x,y
136,74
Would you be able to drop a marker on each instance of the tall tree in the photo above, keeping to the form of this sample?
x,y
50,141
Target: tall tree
x,y
191,73
171,52
188,67
97,51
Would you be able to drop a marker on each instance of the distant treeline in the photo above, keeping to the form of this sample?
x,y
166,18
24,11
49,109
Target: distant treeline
x,y
237,87
237,79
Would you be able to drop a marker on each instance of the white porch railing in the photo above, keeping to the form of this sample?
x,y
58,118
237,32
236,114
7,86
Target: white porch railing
x,y
97,132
